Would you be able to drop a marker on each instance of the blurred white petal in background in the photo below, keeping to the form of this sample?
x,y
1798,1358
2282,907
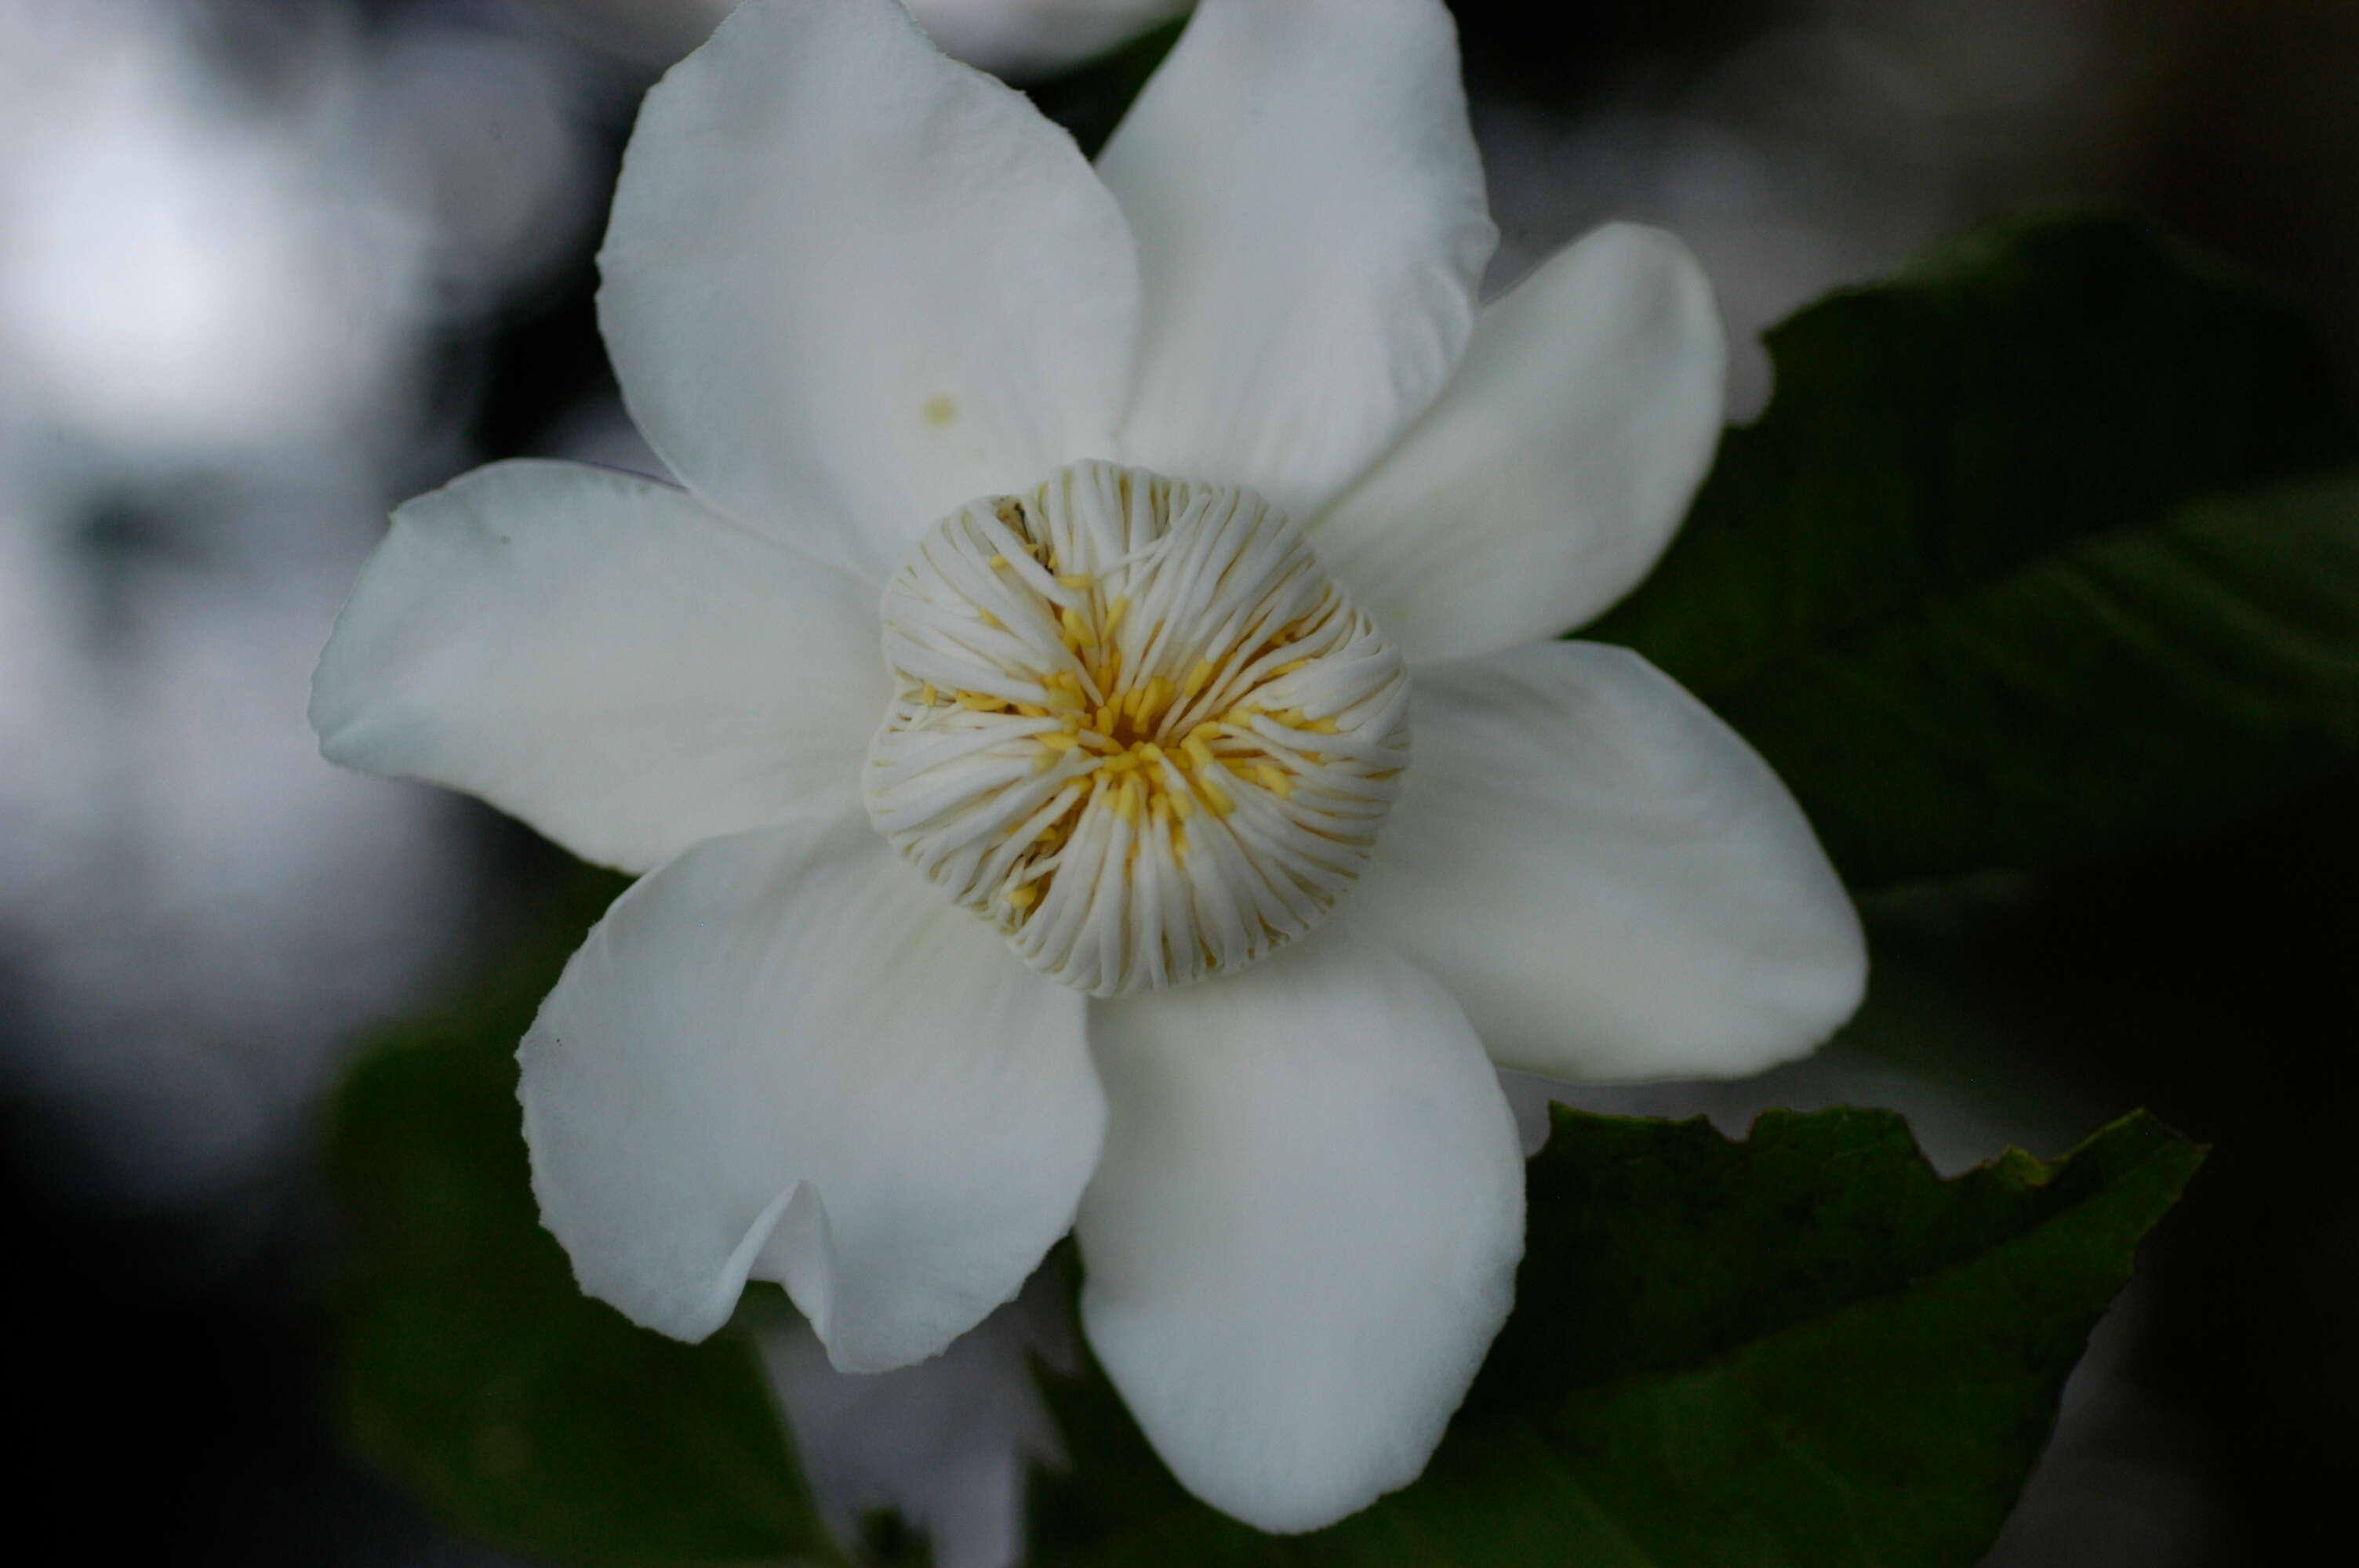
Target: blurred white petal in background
x,y
947,1444
1014,37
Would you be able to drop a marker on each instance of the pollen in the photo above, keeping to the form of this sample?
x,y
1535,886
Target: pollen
x,y
1119,775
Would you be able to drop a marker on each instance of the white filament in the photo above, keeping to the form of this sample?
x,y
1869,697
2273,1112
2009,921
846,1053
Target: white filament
x,y
1134,724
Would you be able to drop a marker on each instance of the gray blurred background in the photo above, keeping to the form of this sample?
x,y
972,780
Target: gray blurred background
x,y
268,267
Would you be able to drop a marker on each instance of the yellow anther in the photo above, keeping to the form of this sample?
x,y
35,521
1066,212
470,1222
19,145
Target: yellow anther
x,y
1063,700
1178,837
1075,579
1116,612
1217,800
1122,763
928,696
1126,802
1152,698
1288,667
1056,740
1181,806
1042,761
1198,752
1022,897
1274,779
1031,710
981,702
1148,752
997,562
1321,727
1292,718
1077,630
1197,679
1072,723
1108,712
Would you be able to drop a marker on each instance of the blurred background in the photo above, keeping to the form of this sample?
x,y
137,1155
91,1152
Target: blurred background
x,y
269,267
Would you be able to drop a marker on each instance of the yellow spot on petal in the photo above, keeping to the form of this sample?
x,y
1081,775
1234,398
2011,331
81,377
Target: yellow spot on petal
x,y
939,410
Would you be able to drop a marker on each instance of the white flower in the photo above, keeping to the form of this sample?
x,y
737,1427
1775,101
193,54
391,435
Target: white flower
x,y
1222,405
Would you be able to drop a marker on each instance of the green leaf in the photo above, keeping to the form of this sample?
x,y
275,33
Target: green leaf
x,y
1802,1349
1974,583
474,1371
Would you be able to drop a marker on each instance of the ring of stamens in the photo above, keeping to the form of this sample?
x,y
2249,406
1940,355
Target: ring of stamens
x,y
1134,724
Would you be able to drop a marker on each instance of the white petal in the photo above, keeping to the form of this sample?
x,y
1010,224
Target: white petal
x,y
606,658
1306,1229
850,284
1311,227
1547,478
783,1056
1610,881
949,1445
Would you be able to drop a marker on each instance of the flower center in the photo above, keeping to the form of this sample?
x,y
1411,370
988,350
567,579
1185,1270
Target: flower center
x,y
1135,724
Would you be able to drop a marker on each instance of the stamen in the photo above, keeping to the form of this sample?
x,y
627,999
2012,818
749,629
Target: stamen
x,y
1114,774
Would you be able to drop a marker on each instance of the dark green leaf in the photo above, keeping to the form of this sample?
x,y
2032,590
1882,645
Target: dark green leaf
x,y
1952,586
474,1371
1802,1349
